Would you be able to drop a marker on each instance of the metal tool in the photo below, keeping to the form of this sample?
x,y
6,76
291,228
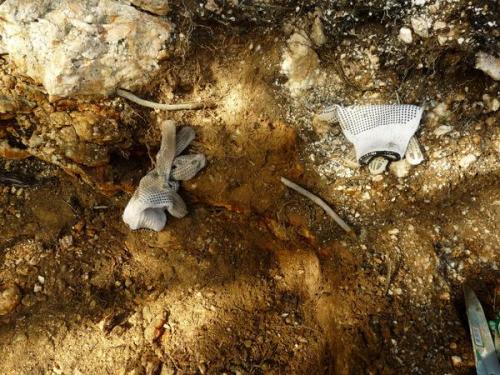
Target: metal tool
x,y
482,342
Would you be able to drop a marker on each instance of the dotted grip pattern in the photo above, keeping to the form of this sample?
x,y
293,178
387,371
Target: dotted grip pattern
x,y
157,190
376,130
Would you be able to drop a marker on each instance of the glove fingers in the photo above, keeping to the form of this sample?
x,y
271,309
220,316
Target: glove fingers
x,y
153,218
166,155
184,137
187,166
137,215
177,208
378,165
414,154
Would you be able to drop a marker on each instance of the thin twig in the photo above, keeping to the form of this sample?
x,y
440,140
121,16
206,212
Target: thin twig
x,y
319,202
166,107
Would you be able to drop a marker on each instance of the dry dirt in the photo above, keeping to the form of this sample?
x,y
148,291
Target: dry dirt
x,y
257,279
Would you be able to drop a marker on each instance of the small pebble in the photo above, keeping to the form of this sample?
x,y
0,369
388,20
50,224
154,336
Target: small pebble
x,y
400,168
66,242
442,130
445,296
9,299
467,160
405,35
421,25
456,360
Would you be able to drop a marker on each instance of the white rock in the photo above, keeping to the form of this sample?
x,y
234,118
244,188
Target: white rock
x,y
405,35
83,47
456,360
467,160
491,104
442,39
400,168
441,110
442,130
317,33
419,2
421,25
439,25
9,299
300,64
488,64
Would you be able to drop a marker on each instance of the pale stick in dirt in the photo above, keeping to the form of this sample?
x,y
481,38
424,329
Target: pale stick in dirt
x,y
320,202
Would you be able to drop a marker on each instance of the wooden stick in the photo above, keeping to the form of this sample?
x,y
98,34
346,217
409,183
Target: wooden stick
x,y
319,202
165,107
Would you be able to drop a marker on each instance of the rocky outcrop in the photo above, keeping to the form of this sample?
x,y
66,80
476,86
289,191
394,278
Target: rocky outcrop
x,y
83,47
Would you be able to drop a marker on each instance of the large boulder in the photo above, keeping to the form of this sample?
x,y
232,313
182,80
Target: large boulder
x,y
83,47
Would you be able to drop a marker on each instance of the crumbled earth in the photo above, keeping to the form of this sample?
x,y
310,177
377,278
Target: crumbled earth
x,y
257,279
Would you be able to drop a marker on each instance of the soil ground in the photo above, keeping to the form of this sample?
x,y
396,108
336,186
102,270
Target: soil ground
x,y
257,279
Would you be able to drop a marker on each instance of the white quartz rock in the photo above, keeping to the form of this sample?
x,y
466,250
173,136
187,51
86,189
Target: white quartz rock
x,y
300,64
83,47
488,64
421,26
405,35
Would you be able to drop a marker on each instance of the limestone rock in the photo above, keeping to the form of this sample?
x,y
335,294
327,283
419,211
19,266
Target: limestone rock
x,y
9,299
10,106
421,26
317,33
300,64
93,127
467,160
442,130
488,64
405,35
491,104
159,7
456,360
83,47
400,168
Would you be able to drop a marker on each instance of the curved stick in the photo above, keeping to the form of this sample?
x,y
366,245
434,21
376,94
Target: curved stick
x,y
166,107
319,202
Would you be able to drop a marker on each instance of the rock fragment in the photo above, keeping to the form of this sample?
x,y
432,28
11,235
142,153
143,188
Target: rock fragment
x,y
421,26
442,130
456,360
489,65
439,25
86,47
491,104
405,35
159,7
9,299
317,33
400,168
467,160
10,152
300,64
